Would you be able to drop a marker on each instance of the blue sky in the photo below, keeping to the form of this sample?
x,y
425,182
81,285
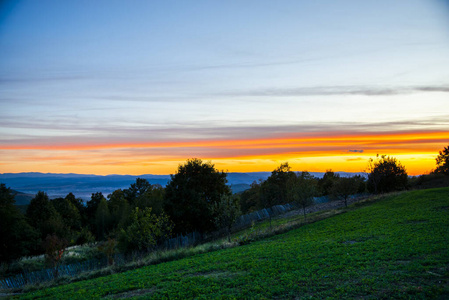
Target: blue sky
x,y
132,72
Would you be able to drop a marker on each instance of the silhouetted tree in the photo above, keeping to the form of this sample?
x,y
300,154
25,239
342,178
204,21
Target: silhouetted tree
x,y
386,174
442,162
69,212
326,183
102,220
136,191
250,199
18,238
42,215
302,189
275,187
77,202
273,191
191,193
91,210
345,187
119,209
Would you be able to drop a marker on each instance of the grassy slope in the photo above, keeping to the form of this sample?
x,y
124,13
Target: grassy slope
x,y
397,247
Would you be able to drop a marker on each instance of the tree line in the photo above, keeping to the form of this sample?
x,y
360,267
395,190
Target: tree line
x,y
197,198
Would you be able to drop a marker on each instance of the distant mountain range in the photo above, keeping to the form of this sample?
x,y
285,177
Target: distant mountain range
x,y
82,186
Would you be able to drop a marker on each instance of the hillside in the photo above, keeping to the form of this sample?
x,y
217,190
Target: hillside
x,y
393,248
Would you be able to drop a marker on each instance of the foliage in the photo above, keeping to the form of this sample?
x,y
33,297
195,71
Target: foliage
x,y
274,190
145,231
18,238
91,210
302,189
250,199
345,187
154,198
54,248
191,193
42,215
226,212
136,191
77,202
375,252
69,213
85,236
119,209
326,183
427,181
386,174
102,219
442,162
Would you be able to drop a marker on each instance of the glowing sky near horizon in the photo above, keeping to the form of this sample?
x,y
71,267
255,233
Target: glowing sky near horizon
x,y
137,87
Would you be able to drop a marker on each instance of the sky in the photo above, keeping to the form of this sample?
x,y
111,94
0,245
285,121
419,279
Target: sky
x,y
138,87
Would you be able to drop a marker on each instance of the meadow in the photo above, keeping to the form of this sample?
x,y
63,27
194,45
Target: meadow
x,y
395,247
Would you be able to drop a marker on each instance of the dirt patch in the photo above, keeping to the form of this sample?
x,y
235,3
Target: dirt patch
x,y
130,294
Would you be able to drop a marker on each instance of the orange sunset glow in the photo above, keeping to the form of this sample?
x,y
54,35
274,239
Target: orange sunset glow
x,y
338,151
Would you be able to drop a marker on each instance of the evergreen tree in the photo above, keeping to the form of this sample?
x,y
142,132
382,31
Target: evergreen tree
x,y
18,238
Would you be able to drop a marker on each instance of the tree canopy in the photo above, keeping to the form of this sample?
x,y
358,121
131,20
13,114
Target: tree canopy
x,y
302,189
386,174
442,162
17,237
191,193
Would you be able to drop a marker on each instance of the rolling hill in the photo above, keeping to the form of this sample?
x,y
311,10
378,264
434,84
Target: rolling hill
x,y
395,247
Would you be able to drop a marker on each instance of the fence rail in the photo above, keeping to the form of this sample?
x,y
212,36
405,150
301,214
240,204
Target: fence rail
x,y
35,277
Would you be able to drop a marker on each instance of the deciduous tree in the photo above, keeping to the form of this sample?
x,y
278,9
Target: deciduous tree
x,y
326,183
226,212
302,189
386,174
442,162
345,187
191,193
42,215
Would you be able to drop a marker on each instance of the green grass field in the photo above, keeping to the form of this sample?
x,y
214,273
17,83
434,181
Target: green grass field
x,y
397,247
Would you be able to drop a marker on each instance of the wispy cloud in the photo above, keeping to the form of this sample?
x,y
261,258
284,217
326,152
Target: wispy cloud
x,y
341,90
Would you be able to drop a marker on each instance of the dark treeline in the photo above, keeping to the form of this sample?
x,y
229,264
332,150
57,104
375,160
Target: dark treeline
x,y
197,198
